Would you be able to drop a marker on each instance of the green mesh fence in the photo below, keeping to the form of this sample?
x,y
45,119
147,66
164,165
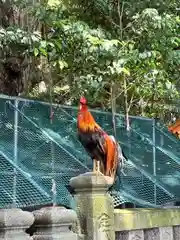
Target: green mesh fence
x,y
38,157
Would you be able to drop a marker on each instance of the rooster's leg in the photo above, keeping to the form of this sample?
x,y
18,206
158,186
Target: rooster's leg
x,y
96,167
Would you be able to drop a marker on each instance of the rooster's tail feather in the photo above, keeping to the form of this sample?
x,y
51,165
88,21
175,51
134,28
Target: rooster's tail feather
x,y
119,168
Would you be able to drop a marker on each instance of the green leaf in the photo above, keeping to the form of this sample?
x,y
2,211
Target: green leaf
x,y
50,44
36,52
115,42
62,64
2,31
35,38
43,44
61,89
58,44
94,40
125,71
43,51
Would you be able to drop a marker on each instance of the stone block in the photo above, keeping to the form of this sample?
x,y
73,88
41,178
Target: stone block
x,y
130,235
55,223
176,232
162,233
13,223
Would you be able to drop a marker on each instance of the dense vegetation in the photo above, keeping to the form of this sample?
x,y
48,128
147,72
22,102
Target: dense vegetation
x,y
123,55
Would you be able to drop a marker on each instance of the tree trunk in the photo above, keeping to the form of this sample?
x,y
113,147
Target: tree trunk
x,y
15,68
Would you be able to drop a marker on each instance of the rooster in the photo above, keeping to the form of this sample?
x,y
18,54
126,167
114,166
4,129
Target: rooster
x,y
175,128
104,150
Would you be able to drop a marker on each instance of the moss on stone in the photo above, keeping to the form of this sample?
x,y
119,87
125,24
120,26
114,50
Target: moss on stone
x,y
130,219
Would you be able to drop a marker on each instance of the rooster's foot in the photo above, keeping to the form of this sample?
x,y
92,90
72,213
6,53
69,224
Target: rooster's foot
x,y
98,173
96,168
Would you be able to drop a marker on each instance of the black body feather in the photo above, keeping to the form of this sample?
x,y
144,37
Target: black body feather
x,y
93,142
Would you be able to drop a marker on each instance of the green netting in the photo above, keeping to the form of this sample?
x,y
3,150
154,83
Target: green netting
x,y
47,155
15,183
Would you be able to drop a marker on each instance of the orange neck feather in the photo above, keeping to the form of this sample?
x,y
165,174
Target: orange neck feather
x,y
85,120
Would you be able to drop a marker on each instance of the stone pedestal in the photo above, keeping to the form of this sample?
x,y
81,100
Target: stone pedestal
x,y
94,206
161,233
54,223
13,223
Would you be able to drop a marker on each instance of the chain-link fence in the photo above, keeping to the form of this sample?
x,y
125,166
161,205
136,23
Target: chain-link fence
x,y
39,155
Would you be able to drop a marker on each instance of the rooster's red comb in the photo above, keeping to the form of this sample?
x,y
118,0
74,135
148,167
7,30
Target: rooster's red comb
x,y
83,100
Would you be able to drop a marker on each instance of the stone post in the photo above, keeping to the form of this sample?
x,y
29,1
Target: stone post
x,y
54,223
13,223
94,206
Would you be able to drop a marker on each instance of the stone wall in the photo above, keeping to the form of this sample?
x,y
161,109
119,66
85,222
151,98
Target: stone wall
x,y
147,224
94,218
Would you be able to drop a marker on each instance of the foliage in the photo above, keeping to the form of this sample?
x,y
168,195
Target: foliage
x,y
126,45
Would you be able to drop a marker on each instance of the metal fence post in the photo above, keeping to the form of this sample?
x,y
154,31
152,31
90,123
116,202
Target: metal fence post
x,y
154,159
